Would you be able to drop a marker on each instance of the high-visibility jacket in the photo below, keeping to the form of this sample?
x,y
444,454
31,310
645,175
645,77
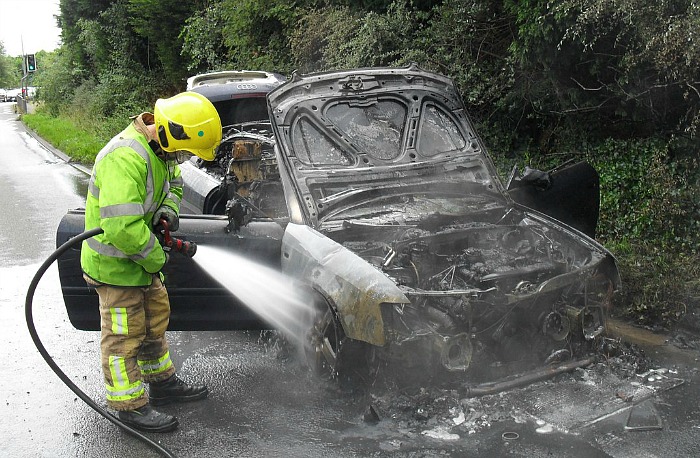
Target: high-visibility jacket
x,y
128,184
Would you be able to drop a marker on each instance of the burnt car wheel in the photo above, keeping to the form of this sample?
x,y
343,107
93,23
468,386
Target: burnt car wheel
x,y
334,356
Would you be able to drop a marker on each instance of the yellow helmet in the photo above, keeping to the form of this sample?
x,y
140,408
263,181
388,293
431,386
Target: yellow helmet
x,y
188,121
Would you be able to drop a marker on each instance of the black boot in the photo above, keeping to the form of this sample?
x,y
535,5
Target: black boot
x,y
175,390
148,420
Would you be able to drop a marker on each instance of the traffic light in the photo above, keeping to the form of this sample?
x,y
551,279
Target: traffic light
x,y
31,63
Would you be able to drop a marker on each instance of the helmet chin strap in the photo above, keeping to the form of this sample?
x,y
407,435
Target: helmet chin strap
x,y
179,156
155,146
164,155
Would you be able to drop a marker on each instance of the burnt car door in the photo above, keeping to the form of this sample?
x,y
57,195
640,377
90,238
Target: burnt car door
x,y
570,194
198,302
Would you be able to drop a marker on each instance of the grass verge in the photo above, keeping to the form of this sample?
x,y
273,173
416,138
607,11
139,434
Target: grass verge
x,y
63,134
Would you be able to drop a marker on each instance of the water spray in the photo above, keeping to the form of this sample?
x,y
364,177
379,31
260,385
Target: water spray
x,y
269,293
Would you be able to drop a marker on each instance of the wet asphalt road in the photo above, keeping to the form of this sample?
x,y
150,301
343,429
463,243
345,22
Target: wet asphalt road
x,y
265,405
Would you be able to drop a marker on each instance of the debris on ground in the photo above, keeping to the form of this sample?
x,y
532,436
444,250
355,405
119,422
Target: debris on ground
x,y
685,341
566,404
624,359
622,379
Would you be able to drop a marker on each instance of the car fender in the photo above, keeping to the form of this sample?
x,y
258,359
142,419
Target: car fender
x,y
353,286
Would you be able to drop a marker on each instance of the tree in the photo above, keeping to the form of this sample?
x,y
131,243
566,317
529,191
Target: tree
x,y
160,24
5,68
203,39
623,68
256,33
651,51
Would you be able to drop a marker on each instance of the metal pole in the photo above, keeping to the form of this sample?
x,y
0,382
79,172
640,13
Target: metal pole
x,y
24,91
24,57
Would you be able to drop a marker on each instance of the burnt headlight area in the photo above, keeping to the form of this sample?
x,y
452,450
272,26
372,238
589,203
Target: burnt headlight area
x,y
425,338
590,306
486,328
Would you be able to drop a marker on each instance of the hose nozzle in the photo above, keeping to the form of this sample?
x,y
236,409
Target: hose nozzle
x,y
173,243
185,247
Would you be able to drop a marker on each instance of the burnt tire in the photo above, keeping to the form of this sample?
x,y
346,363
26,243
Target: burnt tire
x,y
333,356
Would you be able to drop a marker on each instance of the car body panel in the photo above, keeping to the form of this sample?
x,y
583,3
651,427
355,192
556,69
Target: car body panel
x,y
238,95
343,278
372,130
198,194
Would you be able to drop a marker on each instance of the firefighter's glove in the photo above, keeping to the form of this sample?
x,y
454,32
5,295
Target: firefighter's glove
x,y
168,214
159,232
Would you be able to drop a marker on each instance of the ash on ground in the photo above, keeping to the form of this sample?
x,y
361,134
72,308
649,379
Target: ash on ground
x,y
622,375
685,340
622,358
407,418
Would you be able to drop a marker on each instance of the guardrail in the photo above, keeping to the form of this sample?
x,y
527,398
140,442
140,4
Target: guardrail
x,y
20,105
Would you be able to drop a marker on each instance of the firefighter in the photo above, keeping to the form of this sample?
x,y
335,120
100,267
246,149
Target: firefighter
x,y
135,182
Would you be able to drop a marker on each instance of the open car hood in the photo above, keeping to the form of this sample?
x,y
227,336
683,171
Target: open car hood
x,y
352,142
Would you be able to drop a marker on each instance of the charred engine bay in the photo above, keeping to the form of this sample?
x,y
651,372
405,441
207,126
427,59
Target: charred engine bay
x,y
506,292
245,164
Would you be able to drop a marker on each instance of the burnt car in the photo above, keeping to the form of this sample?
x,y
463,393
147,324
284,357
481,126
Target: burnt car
x,y
239,97
382,203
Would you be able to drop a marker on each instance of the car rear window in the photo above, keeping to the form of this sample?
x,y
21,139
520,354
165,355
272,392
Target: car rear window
x,y
236,111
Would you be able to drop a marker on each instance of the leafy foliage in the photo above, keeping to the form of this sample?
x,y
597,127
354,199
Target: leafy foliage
x,y
323,38
159,24
255,33
10,70
203,40
341,37
5,68
653,54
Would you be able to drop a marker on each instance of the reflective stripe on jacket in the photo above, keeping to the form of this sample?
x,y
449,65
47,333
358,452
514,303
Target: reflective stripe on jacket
x,y
128,184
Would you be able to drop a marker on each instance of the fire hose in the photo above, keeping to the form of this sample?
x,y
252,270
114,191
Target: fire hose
x,y
169,243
